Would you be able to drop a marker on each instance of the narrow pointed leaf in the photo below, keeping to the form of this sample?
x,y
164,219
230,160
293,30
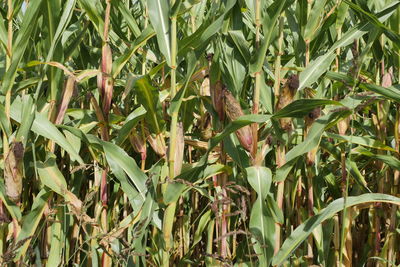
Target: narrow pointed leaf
x,y
159,17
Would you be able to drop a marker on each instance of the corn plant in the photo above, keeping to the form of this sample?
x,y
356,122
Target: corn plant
x,y
199,133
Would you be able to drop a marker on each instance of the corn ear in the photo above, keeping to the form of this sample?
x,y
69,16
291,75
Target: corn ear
x,y
13,171
68,91
309,120
286,97
234,111
343,125
217,99
138,144
205,87
106,83
156,144
206,127
179,149
387,79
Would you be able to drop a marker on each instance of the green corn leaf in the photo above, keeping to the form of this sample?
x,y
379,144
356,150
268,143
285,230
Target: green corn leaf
x,y
4,123
120,62
129,19
261,225
314,135
314,20
148,96
300,108
28,116
21,42
3,32
118,157
130,122
305,229
159,17
361,140
42,126
269,21
320,65
392,92
200,39
389,160
30,222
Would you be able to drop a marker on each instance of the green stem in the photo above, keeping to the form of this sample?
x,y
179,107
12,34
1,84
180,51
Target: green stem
x,y
257,86
209,249
393,218
169,215
280,154
345,177
280,161
8,63
278,59
344,214
173,56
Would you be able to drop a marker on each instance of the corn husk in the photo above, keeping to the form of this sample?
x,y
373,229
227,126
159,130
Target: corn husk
x,y
205,127
179,150
14,171
138,144
68,91
200,145
343,125
107,82
387,80
218,99
156,144
286,96
309,120
200,74
234,111
205,87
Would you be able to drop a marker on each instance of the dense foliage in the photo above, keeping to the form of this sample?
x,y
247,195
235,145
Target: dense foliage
x,y
199,132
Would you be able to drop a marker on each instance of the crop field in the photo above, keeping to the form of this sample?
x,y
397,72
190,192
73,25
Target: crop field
x,y
199,133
